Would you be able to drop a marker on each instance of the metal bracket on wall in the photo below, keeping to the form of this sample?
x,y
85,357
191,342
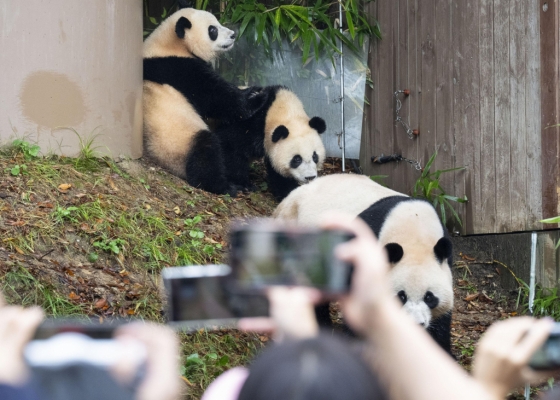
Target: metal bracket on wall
x,y
382,159
398,105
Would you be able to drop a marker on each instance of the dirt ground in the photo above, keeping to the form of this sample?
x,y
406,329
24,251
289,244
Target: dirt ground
x,y
88,237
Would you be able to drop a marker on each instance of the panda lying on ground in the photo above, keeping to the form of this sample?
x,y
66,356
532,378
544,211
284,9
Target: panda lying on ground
x,y
280,131
181,89
418,246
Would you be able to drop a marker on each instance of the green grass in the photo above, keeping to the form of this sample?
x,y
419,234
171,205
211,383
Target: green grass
x,y
208,355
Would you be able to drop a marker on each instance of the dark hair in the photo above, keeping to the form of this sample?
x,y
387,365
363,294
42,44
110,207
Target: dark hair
x,y
323,368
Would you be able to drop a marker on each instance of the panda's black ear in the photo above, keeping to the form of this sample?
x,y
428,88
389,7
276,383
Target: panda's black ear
x,y
318,124
181,25
280,132
443,249
394,251
184,4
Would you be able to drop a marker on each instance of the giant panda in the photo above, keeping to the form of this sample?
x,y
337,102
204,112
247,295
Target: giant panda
x,y
417,244
283,133
181,90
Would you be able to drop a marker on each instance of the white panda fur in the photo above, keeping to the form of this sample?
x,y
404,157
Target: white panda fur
x,y
411,231
338,192
181,90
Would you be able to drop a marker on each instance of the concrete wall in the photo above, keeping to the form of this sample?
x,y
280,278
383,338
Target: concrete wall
x,y
72,64
514,250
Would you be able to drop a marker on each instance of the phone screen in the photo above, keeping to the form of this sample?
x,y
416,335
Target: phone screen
x,y
200,297
548,356
262,256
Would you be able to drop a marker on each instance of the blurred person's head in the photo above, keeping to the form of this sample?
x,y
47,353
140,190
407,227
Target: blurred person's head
x,y
319,368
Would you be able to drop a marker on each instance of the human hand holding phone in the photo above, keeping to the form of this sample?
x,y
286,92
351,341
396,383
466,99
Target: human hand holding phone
x,y
502,357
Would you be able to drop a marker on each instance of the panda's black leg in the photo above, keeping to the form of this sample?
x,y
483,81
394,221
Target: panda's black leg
x,y
279,185
440,331
205,165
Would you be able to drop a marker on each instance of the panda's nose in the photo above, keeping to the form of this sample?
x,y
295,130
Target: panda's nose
x,y
309,178
233,35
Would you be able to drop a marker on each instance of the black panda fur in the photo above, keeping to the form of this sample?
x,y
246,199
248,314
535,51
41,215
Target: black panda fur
x,y
176,135
209,94
245,141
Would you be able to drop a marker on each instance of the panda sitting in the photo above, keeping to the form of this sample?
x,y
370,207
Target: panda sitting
x,y
181,90
281,132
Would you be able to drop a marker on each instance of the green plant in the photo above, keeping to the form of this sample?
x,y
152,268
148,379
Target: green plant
x,y
546,302
114,246
379,178
28,150
18,169
428,187
60,214
310,26
553,220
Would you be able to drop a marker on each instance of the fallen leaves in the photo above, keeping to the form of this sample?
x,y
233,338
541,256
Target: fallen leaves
x,y
64,187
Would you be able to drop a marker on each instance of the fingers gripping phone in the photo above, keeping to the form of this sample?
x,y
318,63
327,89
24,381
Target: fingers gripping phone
x,y
548,356
266,253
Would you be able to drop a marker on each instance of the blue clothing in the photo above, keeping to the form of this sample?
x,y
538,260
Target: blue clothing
x,y
25,392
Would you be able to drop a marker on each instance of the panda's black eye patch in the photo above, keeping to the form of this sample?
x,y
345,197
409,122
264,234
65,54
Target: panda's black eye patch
x,y
213,32
395,252
296,161
402,297
431,300
315,158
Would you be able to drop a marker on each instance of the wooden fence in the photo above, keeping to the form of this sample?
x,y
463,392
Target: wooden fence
x,y
483,76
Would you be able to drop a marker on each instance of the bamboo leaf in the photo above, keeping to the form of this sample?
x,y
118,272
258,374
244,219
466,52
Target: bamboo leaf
x,y
350,23
278,17
260,23
306,36
554,220
245,22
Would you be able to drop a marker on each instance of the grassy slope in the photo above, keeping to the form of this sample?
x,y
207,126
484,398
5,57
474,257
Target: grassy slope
x,y
88,237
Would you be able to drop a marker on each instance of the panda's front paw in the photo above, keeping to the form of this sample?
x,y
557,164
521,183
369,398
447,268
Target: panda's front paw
x,y
255,102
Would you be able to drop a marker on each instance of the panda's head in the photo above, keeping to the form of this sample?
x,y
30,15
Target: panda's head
x,y
423,285
419,253
292,140
199,33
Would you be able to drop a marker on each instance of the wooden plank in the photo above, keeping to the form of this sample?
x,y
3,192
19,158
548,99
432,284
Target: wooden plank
x,y
427,34
549,103
414,51
533,118
402,144
518,149
370,116
502,106
466,104
382,113
485,218
444,92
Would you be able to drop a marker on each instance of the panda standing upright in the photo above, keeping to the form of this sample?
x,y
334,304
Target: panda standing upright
x,y
417,244
181,90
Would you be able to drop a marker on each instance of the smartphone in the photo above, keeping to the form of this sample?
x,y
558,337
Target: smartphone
x,y
201,296
548,356
58,343
265,253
